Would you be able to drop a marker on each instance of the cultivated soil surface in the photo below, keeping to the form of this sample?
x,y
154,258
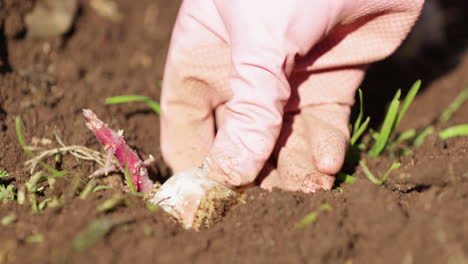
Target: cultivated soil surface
x,y
419,216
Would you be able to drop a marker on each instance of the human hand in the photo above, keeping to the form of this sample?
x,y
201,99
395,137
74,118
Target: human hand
x,y
276,79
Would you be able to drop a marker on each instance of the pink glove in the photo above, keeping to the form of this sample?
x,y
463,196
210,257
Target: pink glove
x,y
276,79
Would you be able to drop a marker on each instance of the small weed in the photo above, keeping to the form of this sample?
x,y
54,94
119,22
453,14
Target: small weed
x,y
38,238
31,185
134,98
7,193
311,217
42,205
87,190
358,129
33,202
421,136
147,230
111,203
4,174
22,142
96,231
409,134
392,119
454,131
102,187
382,137
11,218
454,106
371,176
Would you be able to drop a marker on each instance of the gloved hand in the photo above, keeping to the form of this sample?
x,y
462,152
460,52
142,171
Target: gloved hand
x,y
264,88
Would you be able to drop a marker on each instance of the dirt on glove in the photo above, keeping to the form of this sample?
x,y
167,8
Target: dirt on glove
x,y
418,216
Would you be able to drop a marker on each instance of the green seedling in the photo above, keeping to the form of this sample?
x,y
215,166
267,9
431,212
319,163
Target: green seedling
x,y
78,185
96,231
358,129
311,218
11,218
4,174
454,106
407,102
421,136
382,137
392,119
31,185
409,134
7,193
134,98
374,179
454,131
398,151
51,181
87,190
42,205
22,142
111,203
147,230
38,238
56,201
101,187
401,152
33,202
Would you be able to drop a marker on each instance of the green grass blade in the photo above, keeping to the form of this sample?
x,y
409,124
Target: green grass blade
x,y
357,124
307,220
371,176
394,166
421,136
311,217
38,238
31,184
111,203
96,231
454,106
407,102
11,218
403,152
359,131
406,135
102,187
368,173
387,127
454,131
87,190
134,98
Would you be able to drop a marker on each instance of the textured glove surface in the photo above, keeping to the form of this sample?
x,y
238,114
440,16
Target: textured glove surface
x,y
276,80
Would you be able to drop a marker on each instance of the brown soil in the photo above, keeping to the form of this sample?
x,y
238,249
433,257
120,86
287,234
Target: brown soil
x,y
418,216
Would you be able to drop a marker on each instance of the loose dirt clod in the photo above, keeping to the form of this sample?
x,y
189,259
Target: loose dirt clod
x,y
51,18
